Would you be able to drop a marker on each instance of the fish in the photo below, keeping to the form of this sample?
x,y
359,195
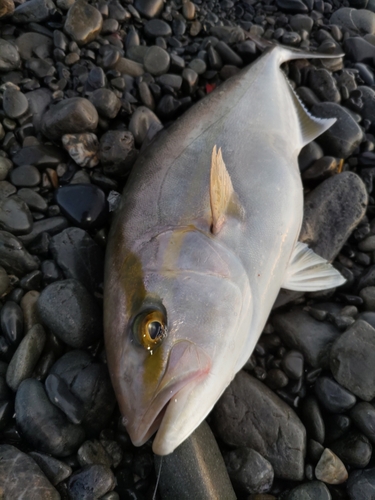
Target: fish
x,y
205,237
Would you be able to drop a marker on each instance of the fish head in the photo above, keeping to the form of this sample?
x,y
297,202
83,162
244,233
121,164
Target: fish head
x,y
176,314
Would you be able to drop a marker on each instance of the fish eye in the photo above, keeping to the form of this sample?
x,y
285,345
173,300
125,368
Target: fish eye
x,y
150,328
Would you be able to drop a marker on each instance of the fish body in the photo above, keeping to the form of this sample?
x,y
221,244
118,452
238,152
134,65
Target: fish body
x,y
205,237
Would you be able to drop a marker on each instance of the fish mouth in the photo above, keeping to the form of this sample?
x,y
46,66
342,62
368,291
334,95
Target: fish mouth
x,y
187,366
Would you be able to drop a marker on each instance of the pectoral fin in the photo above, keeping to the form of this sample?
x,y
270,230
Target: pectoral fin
x,y
307,272
223,198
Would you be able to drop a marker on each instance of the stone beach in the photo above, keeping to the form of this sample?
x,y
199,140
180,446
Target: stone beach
x,y
84,88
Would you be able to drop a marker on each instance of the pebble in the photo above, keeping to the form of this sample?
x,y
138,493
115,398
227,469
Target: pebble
x,y
117,152
83,22
15,103
361,484
157,27
43,424
324,85
354,449
6,8
314,490
359,50
51,225
331,212
249,471
106,103
32,199
9,56
260,420
333,396
60,395
156,60
11,322
93,452
311,337
368,296
359,21
363,416
14,257
33,11
322,169
312,419
350,353
4,281
128,67
92,481
71,313
292,6
82,148
292,364
21,477
30,43
344,136
141,121
79,257
330,469
73,115
55,470
188,10
15,216
309,155
182,475
5,167
29,308
25,176
149,8
41,156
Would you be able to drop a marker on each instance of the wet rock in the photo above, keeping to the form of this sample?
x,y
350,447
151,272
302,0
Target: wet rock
x,y
330,469
262,421
83,22
44,425
359,50
40,67
55,470
20,476
141,121
350,354
29,308
367,294
157,27
71,313
311,337
79,257
361,484
128,67
333,396
249,471
228,34
292,6
14,257
26,357
33,11
331,213
324,85
9,56
367,97
315,490
15,216
359,21
354,449
83,148
117,151
363,416
106,103
15,103
182,475
149,8
92,481
73,115
292,364
344,136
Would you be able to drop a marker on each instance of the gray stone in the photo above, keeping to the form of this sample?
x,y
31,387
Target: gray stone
x,y
330,469
333,396
83,22
353,358
15,216
354,449
14,257
4,281
140,122
249,414
156,60
368,296
106,103
128,67
55,470
32,199
117,151
29,42
356,21
39,100
368,100
15,103
361,485
33,11
90,482
363,416
324,85
315,490
9,56
5,167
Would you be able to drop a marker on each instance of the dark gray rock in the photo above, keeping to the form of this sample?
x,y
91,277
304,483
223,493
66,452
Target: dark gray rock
x,y
83,22
182,475
156,60
332,396
149,8
33,11
32,199
92,481
4,281
363,416
73,115
228,34
249,414
20,476
324,85
354,449
42,156
117,151
352,358
71,313
309,155
311,337
60,395
312,419
359,50
356,21
38,100
330,469
9,56
249,471
92,452
368,102
25,176
315,490
142,119
15,216
301,22
361,485
344,136
15,103
55,470
43,424
26,357
106,103
5,167
292,364
157,27
367,294
29,43
50,225
14,257
11,322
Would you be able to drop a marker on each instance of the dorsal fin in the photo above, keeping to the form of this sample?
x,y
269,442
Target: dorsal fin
x,y
223,198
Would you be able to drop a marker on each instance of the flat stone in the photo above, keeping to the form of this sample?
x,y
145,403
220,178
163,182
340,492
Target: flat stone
x,y
14,257
20,476
11,322
38,100
61,396
9,56
83,148
249,414
128,67
311,337
33,11
50,225
4,281
292,6
330,469
333,396
352,358
149,8
359,50
314,490
15,103
5,167
83,22
6,8
312,418
157,27
367,294
32,199
354,449
361,484
25,176
363,416
92,452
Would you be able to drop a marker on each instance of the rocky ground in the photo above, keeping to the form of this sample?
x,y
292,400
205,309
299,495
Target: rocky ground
x,y
83,88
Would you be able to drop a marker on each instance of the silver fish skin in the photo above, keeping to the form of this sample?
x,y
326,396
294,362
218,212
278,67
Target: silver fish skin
x,y
184,304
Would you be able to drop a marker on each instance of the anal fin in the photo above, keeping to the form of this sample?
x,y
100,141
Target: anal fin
x,y
307,272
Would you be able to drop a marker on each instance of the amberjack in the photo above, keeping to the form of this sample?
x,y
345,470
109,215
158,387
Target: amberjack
x,y
205,236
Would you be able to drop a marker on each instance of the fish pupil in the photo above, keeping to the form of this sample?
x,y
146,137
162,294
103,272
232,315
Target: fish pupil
x,y
154,329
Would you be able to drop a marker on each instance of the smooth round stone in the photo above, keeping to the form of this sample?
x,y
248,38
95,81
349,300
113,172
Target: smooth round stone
x,y
337,426
6,189
83,22
71,313
137,53
43,424
309,155
156,60
157,27
314,490
276,379
33,11
249,471
313,419
292,364
73,115
149,8
360,21
367,245
324,85
55,470
368,296
14,257
51,272
6,8
354,449
25,176
106,103
323,168
188,10
197,65
40,67
84,204
30,43
5,167
9,56
363,416
26,357
141,121
15,103
227,55
301,22
333,396
29,308
359,50
83,148
117,151
4,281
361,484
92,481
170,80
11,322
15,216
32,199
92,452
190,80
330,469
20,476
60,395
128,67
